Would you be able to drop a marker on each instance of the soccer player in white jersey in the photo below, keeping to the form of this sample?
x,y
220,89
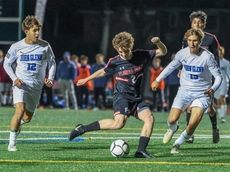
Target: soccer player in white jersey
x,y
196,86
222,91
32,57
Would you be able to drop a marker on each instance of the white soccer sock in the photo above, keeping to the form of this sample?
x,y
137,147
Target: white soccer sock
x,y
184,136
219,112
225,109
173,127
12,139
222,111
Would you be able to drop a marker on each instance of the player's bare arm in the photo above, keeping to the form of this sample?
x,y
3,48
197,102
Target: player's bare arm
x,y
161,48
97,74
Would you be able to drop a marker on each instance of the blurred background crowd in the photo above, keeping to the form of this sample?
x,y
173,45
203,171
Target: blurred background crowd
x,y
80,33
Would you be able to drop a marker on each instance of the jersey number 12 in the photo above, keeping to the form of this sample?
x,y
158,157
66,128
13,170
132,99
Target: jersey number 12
x,y
31,66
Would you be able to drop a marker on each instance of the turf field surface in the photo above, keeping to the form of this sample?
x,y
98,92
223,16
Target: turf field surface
x,y
43,145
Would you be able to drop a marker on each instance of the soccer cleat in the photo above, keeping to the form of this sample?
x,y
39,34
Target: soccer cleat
x,y
143,154
190,139
175,149
12,148
168,135
223,120
215,135
77,131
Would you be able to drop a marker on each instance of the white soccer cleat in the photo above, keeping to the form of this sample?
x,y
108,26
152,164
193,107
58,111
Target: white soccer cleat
x,y
175,149
12,148
223,120
168,136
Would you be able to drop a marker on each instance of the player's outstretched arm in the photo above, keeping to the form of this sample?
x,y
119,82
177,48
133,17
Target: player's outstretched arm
x,y
96,74
161,48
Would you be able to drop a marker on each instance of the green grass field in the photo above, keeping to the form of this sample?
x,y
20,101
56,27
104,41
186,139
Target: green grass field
x,y
43,145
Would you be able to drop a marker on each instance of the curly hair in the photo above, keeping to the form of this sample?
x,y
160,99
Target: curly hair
x,y
29,22
123,40
198,32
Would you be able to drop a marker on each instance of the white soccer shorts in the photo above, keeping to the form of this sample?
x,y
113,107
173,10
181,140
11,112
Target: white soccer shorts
x,y
27,95
186,98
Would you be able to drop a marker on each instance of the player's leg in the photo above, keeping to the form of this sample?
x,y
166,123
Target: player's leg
x,y
173,117
32,100
213,119
146,116
222,110
196,116
14,125
105,124
188,116
181,102
27,116
121,110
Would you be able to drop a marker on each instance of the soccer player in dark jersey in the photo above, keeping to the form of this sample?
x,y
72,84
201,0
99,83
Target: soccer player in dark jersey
x,y
127,68
198,20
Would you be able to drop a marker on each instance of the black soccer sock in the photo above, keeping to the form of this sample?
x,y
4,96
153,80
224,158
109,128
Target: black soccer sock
x,y
143,143
213,120
92,127
188,116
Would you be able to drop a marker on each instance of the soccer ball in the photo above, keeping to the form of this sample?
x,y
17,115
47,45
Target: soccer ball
x,y
119,148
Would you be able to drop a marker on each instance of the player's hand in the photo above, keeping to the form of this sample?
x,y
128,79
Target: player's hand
x,y
155,40
18,83
49,83
81,82
179,74
154,85
209,92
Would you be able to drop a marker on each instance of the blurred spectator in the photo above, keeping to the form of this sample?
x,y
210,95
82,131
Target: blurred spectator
x,y
75,59
99,83
172,83
66,72
5,84
83,72
158,95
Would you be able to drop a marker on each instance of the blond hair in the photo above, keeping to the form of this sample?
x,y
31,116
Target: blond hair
x,y
198,32
29,22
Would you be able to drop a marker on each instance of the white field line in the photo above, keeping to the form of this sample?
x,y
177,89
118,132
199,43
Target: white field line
x,y
106,133
93,135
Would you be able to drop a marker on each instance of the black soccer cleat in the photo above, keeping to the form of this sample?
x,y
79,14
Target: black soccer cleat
x,y
143,154
215,135
77,131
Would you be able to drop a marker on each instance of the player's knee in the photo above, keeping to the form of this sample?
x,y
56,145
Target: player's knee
x,y
27,119
149,119
118,125
19,111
